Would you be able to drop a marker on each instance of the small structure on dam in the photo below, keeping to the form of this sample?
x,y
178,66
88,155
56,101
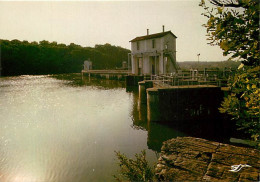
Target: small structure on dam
x,y
154,54
116,74
87,65
170,94
151,55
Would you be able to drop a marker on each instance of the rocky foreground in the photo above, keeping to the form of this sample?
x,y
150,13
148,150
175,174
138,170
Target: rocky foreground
x,y
195,159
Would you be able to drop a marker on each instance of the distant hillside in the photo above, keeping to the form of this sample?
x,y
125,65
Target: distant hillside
x,y
211,65
33,58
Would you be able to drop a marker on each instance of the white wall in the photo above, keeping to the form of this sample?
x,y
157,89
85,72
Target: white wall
x,y
171,42
133,60
145,47
87,65
146,65
142,47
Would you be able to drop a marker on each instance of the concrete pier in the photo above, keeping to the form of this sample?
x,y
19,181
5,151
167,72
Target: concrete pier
x,y
143,85
132,80
153,113
182,103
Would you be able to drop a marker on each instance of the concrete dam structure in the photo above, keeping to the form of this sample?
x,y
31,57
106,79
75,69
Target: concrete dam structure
x,y
183,103
180,103
107,74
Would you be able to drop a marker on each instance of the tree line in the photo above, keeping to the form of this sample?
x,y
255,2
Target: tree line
x,y
44,57
220,65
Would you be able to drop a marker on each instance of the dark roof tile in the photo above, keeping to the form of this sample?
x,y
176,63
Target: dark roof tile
x,y
152,36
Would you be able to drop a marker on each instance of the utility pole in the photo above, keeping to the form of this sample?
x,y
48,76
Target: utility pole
x,y
198,57
0,60
198,61
197,74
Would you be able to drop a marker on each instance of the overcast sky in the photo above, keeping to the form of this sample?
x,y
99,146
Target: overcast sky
x,y
116,22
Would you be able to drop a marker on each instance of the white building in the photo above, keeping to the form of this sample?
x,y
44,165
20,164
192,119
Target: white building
x,y
87,65
154,54
124,65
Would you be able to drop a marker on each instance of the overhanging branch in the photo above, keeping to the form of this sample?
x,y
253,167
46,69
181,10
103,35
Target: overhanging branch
x,y
228,3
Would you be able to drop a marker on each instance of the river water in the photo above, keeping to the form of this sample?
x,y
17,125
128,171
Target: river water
x,y
64,128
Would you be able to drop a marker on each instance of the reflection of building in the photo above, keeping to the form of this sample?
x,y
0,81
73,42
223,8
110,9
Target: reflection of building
x,y
87,65
154,54
157,133
211,128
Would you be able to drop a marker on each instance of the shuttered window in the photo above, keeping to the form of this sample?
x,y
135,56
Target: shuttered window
x,y
153,43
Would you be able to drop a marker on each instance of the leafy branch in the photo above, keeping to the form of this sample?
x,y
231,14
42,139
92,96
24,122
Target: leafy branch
x,y
134,170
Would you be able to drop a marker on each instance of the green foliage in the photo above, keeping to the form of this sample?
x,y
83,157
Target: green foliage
x,y
235,29
244,102
134,170
21,58
234,26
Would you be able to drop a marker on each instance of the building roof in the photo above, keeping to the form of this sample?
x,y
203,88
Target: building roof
x,y
152,36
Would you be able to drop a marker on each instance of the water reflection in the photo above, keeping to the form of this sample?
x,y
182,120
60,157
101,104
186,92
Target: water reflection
x,y
215,129
157,133
219,128
77,80
61,128
64,128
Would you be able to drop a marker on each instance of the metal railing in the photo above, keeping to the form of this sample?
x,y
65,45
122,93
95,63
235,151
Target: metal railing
x,y
182,80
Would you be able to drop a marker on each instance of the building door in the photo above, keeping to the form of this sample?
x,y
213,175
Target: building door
x,y
153,69
140,66
156,65
152,61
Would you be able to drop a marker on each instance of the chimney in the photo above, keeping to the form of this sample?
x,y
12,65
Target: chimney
x,y
163,28
147,31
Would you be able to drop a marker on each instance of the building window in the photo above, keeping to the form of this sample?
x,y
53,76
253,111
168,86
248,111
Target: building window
x,y
153,43
166,46
138,46
140,61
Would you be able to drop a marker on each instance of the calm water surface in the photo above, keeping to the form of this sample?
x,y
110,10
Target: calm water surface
x,y
62,128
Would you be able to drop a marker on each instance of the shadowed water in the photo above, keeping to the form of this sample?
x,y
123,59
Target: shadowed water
x,y
62,128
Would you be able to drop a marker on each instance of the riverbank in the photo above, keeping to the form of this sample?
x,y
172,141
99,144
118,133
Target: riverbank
x,y
195,159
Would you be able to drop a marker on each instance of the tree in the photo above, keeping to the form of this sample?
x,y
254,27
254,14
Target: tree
x,y
244,102
23,57
234,26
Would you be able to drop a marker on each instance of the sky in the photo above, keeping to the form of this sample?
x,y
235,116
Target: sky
x,y
88,23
